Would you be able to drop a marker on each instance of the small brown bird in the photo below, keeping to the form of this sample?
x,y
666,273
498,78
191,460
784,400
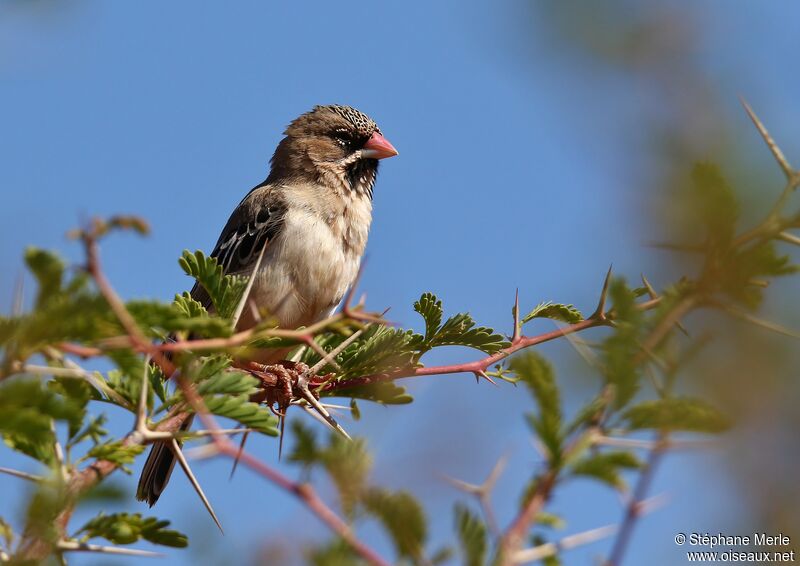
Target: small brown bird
x,y
313,214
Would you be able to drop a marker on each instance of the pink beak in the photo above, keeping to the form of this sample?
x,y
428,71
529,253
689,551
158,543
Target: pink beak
x,y
378,147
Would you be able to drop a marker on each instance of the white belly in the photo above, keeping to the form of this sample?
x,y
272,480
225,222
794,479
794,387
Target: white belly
x,y
305,271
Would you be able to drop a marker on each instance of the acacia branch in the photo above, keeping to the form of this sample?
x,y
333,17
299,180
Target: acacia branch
x,y
34,546
638,499
516,533
308,496
477,366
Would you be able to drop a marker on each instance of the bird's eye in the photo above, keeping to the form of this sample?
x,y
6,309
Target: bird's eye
x,y
343,137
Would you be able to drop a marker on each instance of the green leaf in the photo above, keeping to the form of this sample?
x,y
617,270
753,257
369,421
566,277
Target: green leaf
x,y
587,415
189,307
742,267
380,349
458,330
383,392
49,498
8,328
229,383
80,392
550,520
48,269
252,415
40,447
715,203
215,377
305,450
605,467
127,379
158,382
441,556
226,393
355,412
116,452
127,528
27,409
159,319
348,464
554,311
81,316
472,536
533,370
7,534
93,430
335,553
224,290
622,347
402,517
680,413
430,307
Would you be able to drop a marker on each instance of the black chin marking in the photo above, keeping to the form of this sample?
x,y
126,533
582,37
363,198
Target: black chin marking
x,y
361,176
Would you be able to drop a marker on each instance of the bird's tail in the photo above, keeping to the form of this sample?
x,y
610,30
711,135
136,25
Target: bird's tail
x,y
157,469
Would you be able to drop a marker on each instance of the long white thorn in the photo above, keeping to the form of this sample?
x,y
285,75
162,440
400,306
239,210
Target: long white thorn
x,y
335,352
581,348
18,301
58,452
772,326
566,543
141,408
773,147
330,421
75,546
322,353
789,237
21,475
176,449
231,431
243,300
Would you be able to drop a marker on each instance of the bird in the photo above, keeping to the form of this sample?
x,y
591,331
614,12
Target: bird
x,y
310,219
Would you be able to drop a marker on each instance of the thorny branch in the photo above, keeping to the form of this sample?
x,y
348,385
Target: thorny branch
x,y
304,383
34,547
771,227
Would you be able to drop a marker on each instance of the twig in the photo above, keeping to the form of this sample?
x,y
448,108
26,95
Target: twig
x,y
636,443
138,339
75,546
309,497
32,546
635,508
223,445
747,317
789,237
517,532
523,342
21,475
483,493
566,543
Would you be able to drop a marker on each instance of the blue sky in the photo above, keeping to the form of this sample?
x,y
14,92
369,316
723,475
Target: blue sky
x,y
521,165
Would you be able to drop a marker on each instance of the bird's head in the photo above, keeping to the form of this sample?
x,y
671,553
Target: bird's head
x,y
334,145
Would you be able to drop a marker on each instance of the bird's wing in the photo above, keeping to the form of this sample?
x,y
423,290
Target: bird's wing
x,y
251,226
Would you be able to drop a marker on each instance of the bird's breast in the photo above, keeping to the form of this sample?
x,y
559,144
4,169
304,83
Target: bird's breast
x,y
310,265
